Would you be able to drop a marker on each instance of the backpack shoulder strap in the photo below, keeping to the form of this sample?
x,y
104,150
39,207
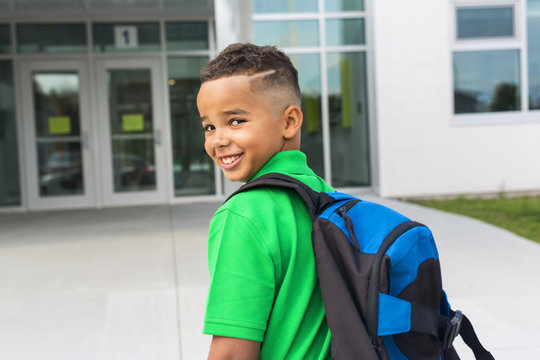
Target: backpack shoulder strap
x,y
313,199
469,337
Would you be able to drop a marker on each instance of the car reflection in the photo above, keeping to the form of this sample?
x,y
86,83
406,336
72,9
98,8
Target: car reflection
x,y
133,172
62,173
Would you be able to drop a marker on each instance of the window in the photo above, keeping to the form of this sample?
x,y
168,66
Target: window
x,y
347,98
41,6
188,45
345,32
10,192
486,81
327,45
5,39
193,168
123,4
286,33
485,22
487,60
284,6
51,38
309,78
187,35
533,51
344,5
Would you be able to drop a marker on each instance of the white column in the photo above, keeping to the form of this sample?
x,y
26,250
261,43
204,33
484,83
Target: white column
x,y
233,22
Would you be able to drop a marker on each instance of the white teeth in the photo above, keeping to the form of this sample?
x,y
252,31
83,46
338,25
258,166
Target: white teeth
x,y
230,159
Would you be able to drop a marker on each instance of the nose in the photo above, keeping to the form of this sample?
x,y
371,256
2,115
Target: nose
x,y
220,138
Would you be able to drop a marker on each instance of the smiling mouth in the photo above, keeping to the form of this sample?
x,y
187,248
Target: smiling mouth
x,y
228,162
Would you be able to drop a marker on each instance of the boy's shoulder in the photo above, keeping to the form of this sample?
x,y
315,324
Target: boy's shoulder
x,y
257,213
257,200
270,200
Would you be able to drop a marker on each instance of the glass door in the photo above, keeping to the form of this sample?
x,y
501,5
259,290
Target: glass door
x,y
131,119
56,116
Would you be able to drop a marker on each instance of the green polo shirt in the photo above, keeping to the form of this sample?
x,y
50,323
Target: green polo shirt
x,y
264,285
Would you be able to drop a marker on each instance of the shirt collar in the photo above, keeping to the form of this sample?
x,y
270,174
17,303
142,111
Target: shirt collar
x,y
286,162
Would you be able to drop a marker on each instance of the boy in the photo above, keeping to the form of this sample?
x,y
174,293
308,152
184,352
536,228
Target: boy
x,y
264,299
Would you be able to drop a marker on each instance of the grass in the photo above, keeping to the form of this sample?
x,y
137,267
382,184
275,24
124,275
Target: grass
x,y
520,215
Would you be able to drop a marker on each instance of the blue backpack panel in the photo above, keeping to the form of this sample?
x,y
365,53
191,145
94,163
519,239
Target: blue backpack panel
x,y
380,280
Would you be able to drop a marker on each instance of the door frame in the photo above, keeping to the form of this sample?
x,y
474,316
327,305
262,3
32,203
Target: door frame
x,y
29,153
160,194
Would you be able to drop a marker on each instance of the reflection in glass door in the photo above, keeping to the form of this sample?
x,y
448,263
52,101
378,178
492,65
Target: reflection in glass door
x,y
133,153
132,129
55,113
58,133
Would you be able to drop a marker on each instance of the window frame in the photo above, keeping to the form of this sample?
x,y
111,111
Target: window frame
x,y
514,4
323,50
517,42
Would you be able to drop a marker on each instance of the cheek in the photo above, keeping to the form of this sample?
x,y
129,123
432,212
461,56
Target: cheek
x,y
258,136
207,147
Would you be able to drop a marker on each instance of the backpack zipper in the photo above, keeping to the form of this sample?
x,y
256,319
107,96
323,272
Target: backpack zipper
x,y
342,211
379,350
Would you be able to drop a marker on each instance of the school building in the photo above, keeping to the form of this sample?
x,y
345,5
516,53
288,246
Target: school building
x,y
408,98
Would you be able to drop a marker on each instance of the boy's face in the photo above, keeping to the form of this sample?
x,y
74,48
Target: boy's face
x,y
242,130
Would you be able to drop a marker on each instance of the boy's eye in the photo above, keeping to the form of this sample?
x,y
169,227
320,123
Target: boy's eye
x,y
209,127
236,122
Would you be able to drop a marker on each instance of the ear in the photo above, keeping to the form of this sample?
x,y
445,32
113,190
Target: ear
x,y
293,118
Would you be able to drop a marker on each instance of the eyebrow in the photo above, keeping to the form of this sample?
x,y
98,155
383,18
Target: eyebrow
x,y
235,111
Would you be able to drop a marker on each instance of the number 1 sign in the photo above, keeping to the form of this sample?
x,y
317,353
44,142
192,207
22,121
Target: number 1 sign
x,y
125,37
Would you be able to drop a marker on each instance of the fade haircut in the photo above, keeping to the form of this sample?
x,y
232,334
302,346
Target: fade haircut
x,y
277,71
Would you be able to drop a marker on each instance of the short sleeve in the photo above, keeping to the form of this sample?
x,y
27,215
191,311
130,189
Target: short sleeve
x,y
242,280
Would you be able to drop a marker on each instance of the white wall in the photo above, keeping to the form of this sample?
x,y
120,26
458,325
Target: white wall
x,y
421,150
233,22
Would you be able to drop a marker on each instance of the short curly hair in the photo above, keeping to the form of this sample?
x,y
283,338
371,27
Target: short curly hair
x,y
249,59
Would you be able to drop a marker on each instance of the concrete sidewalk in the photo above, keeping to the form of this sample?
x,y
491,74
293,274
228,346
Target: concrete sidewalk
x,y
130,283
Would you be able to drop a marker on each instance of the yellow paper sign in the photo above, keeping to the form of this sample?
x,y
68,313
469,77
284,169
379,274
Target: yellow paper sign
x,y
312,113
59,125
132,122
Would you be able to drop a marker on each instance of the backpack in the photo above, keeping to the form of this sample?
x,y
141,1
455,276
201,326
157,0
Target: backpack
x,y
380,280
